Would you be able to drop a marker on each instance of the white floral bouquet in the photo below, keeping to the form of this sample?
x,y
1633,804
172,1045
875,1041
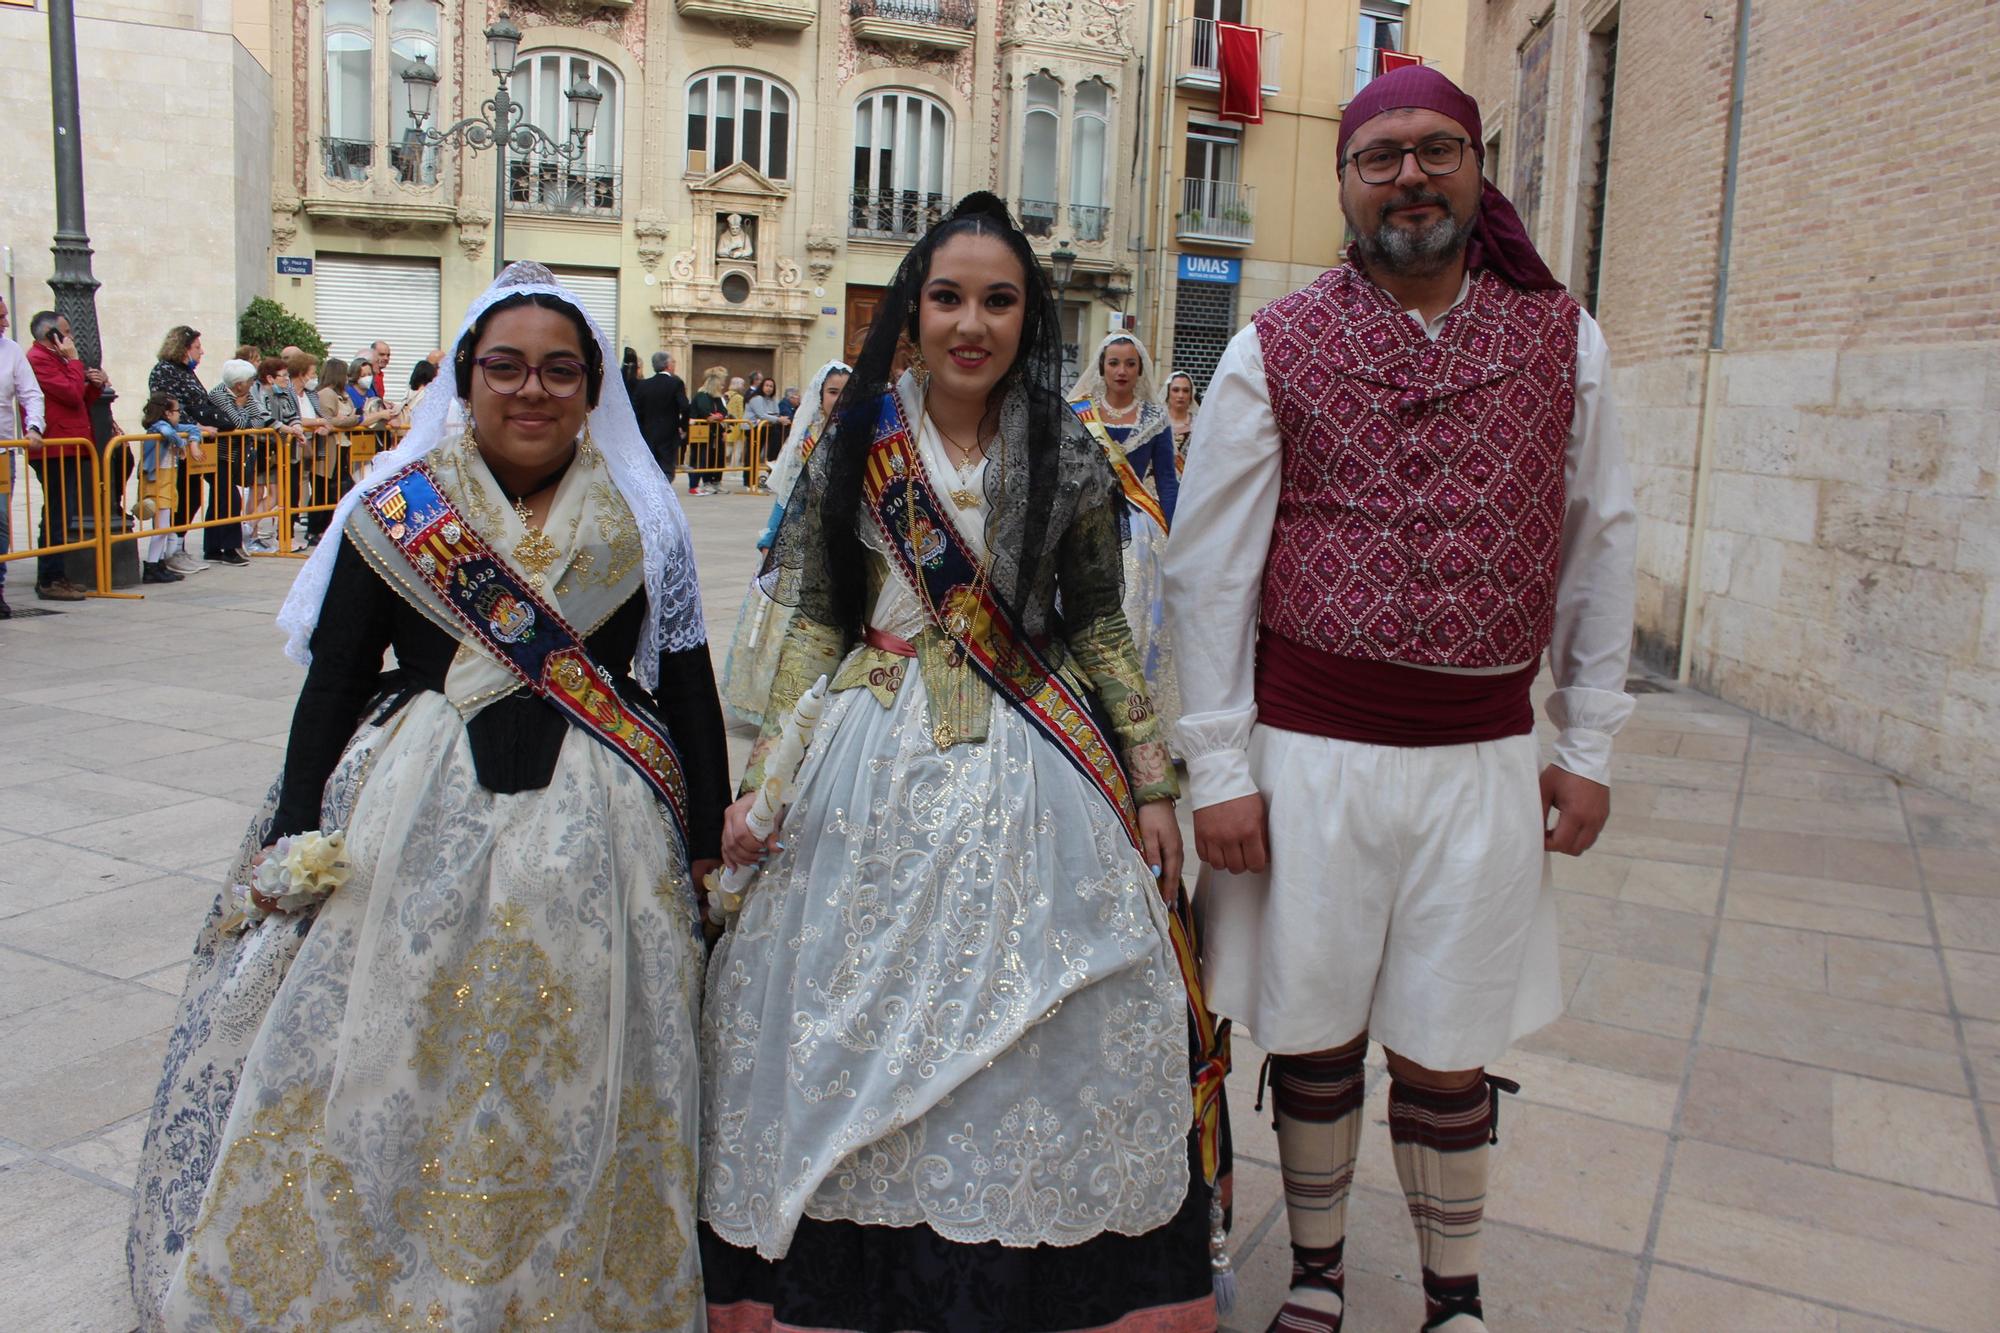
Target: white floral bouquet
x,y
298,872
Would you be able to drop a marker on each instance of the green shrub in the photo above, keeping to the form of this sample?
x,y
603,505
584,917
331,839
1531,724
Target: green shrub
x,y
271,328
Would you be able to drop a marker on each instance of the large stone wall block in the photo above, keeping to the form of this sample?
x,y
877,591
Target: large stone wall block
x,y
1665,381
1764,506
1978,550
1663,436
1902,681
1868,521
1778,379
1925,609
1769,441
1926,378
1932,532
1757,574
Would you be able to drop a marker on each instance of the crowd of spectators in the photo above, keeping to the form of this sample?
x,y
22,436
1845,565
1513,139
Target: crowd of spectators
x,y
318,409
665,410
305,417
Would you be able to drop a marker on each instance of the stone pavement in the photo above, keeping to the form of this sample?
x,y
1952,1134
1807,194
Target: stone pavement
x,y
1762,1109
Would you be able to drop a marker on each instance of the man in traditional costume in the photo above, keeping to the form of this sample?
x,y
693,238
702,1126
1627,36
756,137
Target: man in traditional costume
x,y
1408,486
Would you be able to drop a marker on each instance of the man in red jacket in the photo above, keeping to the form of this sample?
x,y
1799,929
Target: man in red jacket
x,y
66,471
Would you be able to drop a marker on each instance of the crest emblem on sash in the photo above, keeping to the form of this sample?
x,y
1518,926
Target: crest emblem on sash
x,y
926,539
510,619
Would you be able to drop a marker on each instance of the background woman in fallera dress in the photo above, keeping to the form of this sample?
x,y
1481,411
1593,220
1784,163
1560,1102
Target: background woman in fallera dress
x,y
946,1039
464,1094
1182,407
761,624
1119,384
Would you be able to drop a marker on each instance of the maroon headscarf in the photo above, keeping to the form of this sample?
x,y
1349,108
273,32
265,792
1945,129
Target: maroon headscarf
x,y
1499,241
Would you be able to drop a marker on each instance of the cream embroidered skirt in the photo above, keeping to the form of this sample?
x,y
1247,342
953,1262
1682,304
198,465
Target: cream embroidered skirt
x,y
950,1002
471,1096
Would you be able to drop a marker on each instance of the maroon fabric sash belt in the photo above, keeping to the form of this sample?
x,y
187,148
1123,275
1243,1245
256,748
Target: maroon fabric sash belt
x,y
889,643
1385,703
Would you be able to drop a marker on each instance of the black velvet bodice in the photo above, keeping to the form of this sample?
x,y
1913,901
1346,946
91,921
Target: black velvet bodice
x,y
515,740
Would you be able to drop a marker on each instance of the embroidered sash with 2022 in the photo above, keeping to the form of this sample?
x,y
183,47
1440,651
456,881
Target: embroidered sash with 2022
x,y
945,575
497,610
935,561
1128,476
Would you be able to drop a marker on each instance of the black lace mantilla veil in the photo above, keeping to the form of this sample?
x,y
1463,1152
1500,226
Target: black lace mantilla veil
x,y
1046,469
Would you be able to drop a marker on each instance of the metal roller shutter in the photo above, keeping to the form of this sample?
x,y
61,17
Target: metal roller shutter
x,y
357,300
597,288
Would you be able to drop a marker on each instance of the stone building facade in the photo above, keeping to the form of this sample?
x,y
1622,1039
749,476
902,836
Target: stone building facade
x,y
1813,412
175,98
759,167
1237,215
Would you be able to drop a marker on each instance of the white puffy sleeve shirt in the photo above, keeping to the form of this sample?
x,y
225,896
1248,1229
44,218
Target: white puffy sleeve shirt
x,y
1222,534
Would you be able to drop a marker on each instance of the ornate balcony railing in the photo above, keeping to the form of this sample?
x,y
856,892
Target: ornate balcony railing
x,y
1199,56
915,26
779,15
1361,65
544,183
1089,222
414,163
347,159
962,14
1219,212
894,215
1038,217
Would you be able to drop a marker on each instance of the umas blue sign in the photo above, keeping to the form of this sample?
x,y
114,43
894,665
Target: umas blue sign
x,y
1207,268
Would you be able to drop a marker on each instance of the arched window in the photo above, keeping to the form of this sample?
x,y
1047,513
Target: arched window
x,y
1090,131
413,36
349,141
541,182
902,164
1041,139
735,117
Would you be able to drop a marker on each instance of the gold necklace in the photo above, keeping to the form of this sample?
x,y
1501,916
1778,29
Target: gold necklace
x,y
962,495
535,552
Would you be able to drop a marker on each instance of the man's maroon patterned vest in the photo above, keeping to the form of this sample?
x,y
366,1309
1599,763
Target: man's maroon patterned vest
x,y
1420,518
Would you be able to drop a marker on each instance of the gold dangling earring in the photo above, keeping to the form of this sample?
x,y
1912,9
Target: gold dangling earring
x,y
913,360
586,450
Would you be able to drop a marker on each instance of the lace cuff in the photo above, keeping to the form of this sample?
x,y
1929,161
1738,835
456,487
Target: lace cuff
x,y
1152,772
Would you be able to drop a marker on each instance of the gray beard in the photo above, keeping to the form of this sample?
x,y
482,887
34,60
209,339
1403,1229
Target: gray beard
x,y
1421,253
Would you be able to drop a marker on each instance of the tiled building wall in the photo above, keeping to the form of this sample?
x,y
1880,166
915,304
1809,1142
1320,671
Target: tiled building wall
x,y
1846,567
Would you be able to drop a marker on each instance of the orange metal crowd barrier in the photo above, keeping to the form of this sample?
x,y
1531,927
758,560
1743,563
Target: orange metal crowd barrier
x,y
715,448
51,500
266,480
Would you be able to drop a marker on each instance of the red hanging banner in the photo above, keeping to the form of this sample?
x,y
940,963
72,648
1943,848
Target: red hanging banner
x,y
1394,60
1239,59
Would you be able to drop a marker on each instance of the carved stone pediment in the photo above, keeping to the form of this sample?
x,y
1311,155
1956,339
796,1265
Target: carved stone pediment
x,y
738,181
579,9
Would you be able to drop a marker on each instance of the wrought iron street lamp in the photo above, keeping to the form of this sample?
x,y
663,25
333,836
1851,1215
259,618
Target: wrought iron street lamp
x,y
1062,266
503,122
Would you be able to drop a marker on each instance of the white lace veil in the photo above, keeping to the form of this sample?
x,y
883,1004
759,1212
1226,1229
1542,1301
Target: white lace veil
x,y
1194,399
785,470
673,621
1090,384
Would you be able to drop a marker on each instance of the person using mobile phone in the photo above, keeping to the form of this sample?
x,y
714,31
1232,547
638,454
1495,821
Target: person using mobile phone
x,y
65,465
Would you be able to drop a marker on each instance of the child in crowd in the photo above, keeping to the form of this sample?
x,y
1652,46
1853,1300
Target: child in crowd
x,y
158,495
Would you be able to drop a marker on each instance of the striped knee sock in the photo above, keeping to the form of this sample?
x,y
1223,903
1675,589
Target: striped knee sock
x,y
1441,1141
1317,1100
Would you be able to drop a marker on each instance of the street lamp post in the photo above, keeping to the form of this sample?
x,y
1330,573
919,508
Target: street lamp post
x,y
71,281
1062,267
503,122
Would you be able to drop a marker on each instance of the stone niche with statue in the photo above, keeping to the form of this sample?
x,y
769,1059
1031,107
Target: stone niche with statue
x,y
732,286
